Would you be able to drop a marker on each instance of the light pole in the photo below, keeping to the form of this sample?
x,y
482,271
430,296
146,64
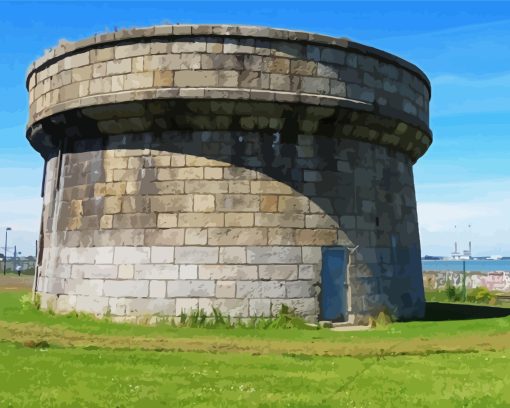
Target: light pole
x,y
5,252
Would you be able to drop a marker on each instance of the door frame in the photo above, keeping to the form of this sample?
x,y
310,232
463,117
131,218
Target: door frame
x,y
345,286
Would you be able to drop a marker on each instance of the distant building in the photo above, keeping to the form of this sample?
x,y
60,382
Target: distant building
x,y
26,263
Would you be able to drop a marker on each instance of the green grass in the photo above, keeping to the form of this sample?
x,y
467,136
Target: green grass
x,y
69,361
125,378
11,311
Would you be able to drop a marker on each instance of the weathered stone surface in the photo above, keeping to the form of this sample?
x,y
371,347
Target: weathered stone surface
x,y
227,272
212,166
191,288
273,255
126,288
196,255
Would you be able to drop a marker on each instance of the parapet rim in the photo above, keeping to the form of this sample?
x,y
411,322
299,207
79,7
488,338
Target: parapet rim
x,y
65,48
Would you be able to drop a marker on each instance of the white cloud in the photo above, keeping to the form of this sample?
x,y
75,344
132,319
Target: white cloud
x,y
486,211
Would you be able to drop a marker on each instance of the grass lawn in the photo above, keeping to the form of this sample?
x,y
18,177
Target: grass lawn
x,y
70,361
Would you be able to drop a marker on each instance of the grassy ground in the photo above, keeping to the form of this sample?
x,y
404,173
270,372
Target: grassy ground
x,y
74,361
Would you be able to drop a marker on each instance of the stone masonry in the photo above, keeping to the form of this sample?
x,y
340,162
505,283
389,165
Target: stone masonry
x,y
191,167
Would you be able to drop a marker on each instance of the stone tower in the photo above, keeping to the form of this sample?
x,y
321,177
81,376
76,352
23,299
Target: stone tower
x,y
241,168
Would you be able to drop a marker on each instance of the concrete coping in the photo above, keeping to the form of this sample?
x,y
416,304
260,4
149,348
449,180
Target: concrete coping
x,y
66,48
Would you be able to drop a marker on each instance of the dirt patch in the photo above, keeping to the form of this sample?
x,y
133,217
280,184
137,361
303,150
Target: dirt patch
x,y
29,333
14,282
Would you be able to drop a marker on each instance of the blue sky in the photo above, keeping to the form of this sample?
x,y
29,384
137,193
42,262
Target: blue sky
x,y
463,47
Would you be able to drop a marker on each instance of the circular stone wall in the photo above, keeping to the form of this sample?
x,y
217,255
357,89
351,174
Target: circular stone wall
x,y
192,167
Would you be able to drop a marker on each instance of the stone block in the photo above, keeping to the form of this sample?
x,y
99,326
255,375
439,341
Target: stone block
x,y
124,237
293,204
306,307
320,237
308,272
184,173
238,46
98,255
167,220
237,236
191,45
213,173
188,272
199,161
126,288
214,46
77,60
238,219
131,255
106,222
260,289
131,50
285,220
300,67
126,272
276,65
195,236
164,237
206,186
232,255
82,73
315,85
196,255
165,307
232,307
239,173
171,203
321,221
101,54
162,254
278,272
239,186
260,308
281,236
227,272
134,221
163,78
200,220
228,79
71,91
157,289
86,287
118,66
269,203
226,289
161,271
190,288
185,305
237,202
138,80
92,304
195,78
66,303
252,62
333,55
299,289
273,255
270,187
94,272
164,187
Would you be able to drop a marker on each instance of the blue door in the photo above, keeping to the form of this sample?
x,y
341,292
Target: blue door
x,y
333,299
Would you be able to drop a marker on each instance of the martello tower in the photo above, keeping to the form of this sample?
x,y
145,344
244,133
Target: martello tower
x,y
241,168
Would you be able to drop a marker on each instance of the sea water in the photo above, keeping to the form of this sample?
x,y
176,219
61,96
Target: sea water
x,y
484,265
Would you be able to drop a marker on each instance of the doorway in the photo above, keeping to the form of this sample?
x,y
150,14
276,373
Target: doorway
x,y
333,299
